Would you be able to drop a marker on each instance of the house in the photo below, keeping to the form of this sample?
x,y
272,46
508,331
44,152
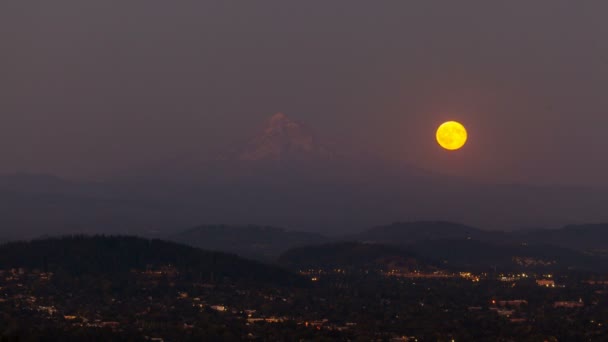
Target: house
x,y
545,282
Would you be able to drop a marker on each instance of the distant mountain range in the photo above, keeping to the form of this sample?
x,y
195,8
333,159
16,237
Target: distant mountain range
x,y
287,176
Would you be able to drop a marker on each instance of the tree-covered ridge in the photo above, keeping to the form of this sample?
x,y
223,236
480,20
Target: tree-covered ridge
x,y
84,255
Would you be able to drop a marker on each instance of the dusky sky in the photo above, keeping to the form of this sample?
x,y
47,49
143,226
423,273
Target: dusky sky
x,y
88,88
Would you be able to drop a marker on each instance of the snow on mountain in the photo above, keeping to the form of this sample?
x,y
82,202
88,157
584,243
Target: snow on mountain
x,y
283,138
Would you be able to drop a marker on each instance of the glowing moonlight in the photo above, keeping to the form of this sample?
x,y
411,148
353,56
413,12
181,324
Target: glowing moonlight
x,y
451,135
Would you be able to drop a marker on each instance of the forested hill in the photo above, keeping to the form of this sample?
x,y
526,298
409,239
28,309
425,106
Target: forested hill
x,y
84,255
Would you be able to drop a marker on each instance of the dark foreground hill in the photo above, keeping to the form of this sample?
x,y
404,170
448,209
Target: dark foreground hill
x,y
411,232
103,255
477,255
257,242
571,247
485,247
587,237
353,255
455,255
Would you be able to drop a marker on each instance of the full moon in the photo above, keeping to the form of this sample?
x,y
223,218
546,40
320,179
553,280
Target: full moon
x,y
451,135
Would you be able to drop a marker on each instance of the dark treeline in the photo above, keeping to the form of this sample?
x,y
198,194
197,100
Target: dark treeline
x,y
83,255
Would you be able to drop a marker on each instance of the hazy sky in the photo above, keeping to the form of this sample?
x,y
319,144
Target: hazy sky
x,y
91,87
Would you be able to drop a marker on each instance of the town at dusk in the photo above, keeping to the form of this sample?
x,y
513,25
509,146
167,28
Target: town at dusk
x,y
313,171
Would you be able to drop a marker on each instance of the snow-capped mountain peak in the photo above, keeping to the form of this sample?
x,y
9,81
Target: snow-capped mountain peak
x,y
283,138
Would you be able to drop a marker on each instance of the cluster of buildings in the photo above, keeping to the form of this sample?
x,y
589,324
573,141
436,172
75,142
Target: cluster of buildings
x,y
16,291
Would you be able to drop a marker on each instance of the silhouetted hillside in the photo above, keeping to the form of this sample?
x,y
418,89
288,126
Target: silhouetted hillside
x,y
411,232
351,255
265,243
80,255
472,254
588,237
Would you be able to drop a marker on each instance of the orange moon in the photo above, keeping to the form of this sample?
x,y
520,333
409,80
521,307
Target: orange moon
x,y
451,135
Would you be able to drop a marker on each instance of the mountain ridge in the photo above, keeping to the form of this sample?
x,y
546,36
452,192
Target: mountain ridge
x,y
285,180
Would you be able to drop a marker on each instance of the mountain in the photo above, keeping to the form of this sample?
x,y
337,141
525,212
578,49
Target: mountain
x,y
281,139
284,176
353,256
116,255
257,242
